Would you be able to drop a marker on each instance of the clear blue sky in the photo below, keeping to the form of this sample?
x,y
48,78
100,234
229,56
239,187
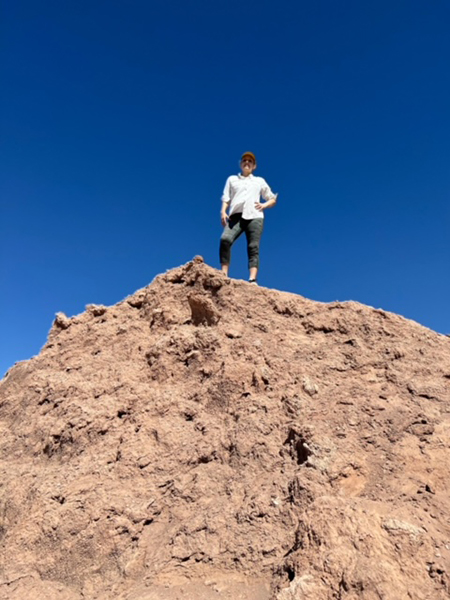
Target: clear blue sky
x,y
122,120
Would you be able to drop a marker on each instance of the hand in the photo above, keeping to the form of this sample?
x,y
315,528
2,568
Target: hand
x,y
259,206
224,218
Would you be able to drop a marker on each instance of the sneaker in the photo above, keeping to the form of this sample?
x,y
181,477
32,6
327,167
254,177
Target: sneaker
x,y
253,281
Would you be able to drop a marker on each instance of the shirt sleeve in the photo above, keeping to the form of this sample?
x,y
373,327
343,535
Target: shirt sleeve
x,y
226,196
266,192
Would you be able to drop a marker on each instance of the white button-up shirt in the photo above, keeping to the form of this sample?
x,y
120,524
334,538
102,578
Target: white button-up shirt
x,y
242,193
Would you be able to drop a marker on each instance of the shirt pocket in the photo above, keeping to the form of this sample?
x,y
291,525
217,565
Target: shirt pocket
x,y
234,188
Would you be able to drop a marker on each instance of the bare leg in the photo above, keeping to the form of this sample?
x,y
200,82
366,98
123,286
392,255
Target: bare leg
x,y
225,269
253,272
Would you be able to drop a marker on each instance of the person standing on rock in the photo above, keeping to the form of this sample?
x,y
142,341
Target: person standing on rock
x,y
242,199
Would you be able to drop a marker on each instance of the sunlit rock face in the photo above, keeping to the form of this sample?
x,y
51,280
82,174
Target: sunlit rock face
x,y
206,439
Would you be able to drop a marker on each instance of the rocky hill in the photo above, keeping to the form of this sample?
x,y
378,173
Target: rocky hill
x,y
209,439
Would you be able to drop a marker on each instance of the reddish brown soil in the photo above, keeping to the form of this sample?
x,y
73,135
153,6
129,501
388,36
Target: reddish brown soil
x,y
209,439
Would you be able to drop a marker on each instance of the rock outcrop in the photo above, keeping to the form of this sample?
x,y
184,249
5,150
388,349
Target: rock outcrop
x,y
209,439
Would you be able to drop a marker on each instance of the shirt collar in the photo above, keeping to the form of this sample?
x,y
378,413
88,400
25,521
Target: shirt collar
x,y
248,176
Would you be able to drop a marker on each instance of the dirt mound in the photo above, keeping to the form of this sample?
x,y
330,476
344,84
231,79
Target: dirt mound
x,y
206,438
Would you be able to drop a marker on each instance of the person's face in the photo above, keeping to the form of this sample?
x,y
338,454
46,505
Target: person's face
x,y
247,165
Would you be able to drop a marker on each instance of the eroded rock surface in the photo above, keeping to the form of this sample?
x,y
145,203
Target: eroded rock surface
x,y
209,439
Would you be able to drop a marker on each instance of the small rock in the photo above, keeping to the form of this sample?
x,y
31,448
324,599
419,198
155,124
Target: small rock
x,y
62,321
310,387
96,309
234,332
394,525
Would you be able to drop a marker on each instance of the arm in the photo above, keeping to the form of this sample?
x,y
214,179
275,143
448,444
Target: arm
x,y
269,197
268,204
226,199
223,212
